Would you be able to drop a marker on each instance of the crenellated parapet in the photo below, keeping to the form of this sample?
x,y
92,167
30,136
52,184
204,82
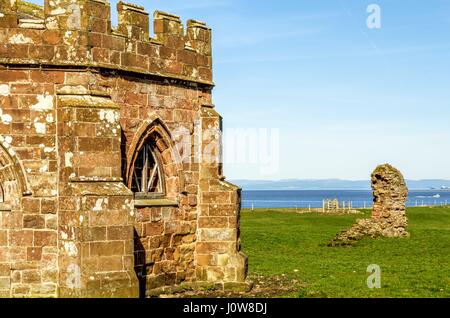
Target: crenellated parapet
x,y
79,33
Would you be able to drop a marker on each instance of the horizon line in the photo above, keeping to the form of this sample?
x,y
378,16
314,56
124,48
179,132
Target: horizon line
x,y
325,179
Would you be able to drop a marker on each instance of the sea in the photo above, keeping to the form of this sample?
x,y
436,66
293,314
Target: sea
x,y
314,198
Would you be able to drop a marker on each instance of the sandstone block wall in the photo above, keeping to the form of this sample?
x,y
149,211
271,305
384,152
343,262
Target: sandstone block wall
x,y
77,102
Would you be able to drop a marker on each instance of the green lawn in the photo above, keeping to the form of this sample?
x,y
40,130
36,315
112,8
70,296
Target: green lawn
x,y
281,242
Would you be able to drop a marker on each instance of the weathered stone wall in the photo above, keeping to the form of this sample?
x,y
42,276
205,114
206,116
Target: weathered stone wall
x,y
389,209
28,252
77,100
166,229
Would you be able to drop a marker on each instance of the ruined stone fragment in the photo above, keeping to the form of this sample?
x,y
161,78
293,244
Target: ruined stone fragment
x,y
389,209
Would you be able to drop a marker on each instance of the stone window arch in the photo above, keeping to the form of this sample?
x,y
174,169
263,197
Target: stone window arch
x,y
154,135
147,175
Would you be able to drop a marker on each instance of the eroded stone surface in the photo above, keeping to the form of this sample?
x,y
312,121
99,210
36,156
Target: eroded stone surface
x,y
389,211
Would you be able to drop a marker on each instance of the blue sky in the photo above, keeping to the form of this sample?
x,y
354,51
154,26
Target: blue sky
x,y
344,97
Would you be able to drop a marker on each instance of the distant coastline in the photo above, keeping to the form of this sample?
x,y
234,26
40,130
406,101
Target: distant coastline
x,y
334,184
314,198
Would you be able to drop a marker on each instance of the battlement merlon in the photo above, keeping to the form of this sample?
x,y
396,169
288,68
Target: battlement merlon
x,y
79,32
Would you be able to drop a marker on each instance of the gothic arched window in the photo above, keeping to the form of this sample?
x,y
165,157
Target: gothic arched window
x,y
147,177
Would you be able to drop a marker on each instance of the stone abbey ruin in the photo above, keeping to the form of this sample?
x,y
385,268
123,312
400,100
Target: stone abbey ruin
x,y
101,195
389,209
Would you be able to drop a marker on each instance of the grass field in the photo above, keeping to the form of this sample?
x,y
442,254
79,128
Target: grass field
x,y
281,243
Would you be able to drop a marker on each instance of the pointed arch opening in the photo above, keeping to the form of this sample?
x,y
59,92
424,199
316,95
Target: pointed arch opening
x,y
152,169
13,184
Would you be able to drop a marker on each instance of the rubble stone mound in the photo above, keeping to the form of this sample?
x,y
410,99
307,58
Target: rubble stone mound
x,y
389,209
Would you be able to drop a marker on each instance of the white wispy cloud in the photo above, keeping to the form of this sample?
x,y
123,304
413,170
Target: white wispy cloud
x,y
192,5
338,53
313,16
252,38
